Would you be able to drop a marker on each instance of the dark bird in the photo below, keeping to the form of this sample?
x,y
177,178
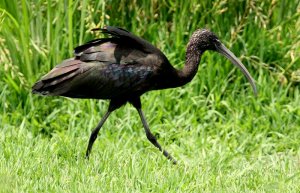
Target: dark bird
x,y
122,67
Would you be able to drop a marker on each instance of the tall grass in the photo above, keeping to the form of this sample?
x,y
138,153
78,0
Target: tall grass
x,y
224,138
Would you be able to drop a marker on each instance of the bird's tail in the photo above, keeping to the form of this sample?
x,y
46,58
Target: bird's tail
x,y
53,82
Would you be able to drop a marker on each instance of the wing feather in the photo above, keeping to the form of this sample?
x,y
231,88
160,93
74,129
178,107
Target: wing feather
x,y
105,68
68,69
65,67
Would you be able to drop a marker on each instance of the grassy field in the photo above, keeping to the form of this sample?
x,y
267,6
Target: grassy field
x,y
224,138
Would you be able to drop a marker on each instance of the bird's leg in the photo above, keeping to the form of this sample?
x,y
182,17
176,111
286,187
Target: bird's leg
x,y
152,138
113,105
95,134
137,104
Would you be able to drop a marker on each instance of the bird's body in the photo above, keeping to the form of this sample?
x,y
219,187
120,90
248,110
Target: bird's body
x,y
110,68
123,67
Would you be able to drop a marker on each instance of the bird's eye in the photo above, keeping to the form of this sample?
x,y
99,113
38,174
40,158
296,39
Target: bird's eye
x,y
216,41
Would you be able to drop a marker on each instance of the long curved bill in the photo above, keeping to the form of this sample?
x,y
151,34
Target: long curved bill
x,y
228,54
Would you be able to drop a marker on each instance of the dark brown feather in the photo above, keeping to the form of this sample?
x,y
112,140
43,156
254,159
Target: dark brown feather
x,y
120,66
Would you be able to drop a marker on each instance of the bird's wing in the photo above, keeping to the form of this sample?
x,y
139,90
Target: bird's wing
x,y
122,47
104,68
128,38
63,72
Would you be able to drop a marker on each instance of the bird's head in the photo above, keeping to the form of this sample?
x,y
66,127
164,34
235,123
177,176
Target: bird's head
x,y
203,39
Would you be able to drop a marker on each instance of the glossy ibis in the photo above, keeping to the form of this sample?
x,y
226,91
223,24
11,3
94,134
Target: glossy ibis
x,y
122,67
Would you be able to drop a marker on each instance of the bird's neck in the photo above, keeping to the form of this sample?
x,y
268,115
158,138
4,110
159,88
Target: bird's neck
x,y
192,59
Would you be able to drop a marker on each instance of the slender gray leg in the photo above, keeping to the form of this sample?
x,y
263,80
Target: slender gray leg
x,y
95,134
152,138
113,105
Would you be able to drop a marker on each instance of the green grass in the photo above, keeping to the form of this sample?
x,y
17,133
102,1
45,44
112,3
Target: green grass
x,y
225,139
